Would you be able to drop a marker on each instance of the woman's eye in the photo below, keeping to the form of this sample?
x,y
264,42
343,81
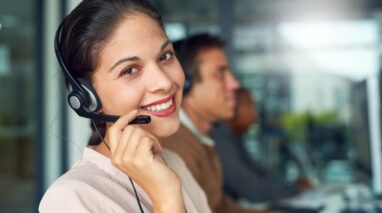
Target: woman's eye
x,y
167,56
129,71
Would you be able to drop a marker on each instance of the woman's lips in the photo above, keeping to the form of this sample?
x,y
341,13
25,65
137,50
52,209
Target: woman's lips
x,y
162,108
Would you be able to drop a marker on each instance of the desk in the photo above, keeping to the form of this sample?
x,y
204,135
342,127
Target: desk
x,y
335,203
329,199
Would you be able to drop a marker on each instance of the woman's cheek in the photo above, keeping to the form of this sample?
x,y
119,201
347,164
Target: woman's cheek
x,y
179,77
129,100
119,101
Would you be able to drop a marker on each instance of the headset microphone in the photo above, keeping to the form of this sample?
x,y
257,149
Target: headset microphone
x,y
82,97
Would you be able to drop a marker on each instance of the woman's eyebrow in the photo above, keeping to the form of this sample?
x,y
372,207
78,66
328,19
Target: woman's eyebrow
x,y
164,45
132,58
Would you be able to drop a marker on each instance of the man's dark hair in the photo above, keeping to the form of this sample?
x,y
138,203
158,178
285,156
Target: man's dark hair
x,y
188,50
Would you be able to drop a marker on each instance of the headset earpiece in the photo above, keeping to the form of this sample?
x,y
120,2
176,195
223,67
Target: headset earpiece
x,y
76,100
82,96
187,84
93,104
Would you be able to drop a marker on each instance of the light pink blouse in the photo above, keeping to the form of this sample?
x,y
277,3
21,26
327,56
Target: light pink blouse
x,y
93,184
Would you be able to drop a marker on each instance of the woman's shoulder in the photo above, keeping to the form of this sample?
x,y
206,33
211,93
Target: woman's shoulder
x,y
82,173
70,191
85,187
77,178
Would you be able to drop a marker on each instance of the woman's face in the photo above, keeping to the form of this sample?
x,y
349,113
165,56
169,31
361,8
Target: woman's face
x,y
137,69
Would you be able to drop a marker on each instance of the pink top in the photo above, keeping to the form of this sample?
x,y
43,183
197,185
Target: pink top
x,y
93,184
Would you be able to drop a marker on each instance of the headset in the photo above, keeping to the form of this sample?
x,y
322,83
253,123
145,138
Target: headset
x,y
82,97
84,100
187,84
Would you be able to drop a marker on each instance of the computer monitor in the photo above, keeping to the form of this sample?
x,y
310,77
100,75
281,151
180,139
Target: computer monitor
x,y
359,133
367,130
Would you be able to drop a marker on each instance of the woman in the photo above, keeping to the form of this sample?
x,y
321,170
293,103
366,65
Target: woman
x,y
119,47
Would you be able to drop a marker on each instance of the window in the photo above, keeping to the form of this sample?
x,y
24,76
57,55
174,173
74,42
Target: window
x,y
18,124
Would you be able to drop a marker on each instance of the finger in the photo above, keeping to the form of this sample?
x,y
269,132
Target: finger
x,y
157,146
144,149
124,141
125,119
133,143
149,146
115,131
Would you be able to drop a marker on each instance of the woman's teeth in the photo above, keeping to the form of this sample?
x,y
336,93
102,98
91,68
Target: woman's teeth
x,y
159,107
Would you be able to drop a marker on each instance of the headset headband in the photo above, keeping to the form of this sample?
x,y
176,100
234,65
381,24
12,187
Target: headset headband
x,y
83,98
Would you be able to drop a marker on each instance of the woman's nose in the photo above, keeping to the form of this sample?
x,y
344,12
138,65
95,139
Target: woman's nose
x,y
159,80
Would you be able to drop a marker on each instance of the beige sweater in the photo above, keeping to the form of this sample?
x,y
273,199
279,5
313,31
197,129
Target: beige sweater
x,y
94,185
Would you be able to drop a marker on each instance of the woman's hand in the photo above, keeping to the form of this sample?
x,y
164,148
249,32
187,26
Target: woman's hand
x,y
137,153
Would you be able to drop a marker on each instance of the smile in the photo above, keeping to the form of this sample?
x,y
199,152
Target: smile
x,y
159,107
162,108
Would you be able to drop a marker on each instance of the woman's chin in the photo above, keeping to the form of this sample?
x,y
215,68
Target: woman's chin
x,y
163,131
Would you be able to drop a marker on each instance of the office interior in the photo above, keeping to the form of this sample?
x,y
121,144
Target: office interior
x,y
314,68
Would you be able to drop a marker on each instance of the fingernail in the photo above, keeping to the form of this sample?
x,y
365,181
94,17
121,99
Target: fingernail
x,y
134,111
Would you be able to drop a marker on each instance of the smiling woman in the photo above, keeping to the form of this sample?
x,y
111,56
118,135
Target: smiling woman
x,y
119,53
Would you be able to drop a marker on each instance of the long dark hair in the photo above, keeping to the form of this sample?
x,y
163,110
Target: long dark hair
x,y
87,28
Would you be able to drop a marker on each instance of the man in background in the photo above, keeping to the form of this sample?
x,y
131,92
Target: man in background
x,y
243,176
209,97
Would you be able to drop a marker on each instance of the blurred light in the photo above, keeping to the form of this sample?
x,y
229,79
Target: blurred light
x,y
346,48
175,31
357,64
327,34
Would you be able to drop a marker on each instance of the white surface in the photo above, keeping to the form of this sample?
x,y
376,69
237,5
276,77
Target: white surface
x,y
52,134
78,135
375,133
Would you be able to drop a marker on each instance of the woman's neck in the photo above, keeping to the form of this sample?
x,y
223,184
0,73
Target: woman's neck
x,y
102,149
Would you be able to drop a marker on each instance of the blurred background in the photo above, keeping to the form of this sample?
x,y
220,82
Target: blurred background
x,y
314,68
